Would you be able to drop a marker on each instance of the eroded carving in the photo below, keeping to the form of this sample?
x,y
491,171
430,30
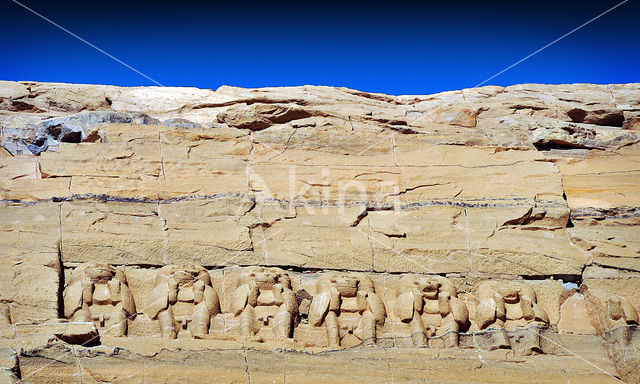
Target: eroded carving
x,y
99,293
348,307
183,300
430,305
510,305
327,309
5,314
621,312
264,299
616,320
621,319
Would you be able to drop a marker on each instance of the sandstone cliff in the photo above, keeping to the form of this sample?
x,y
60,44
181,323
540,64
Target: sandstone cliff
x,y
319,234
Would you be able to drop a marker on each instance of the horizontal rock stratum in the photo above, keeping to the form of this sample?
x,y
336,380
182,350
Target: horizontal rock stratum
x,y
319,234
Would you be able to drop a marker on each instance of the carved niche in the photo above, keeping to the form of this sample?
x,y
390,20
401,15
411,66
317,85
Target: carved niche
x,y
183,300
99,293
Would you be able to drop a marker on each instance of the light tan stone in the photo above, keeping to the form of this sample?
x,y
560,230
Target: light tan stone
x,y
611,243
574,316
29,253
605,181
122,233
303,240
300,194
210,231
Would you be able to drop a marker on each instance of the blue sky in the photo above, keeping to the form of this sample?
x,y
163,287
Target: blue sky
x,y
394,47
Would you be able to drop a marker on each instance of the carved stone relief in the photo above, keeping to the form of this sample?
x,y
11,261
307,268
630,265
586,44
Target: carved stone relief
x,y
99,293
324,309
264,301
183,300
430,306
510,306
347,308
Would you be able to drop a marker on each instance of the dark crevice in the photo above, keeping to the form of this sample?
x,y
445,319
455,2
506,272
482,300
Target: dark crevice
x,y
396,235
547,145
570,223
605,266
372,206
609,118
405,130
577,115
359,218
527,218
16,369
603,214
390,121
567,278
71,137
61,283
257,100
40,141
21,106
530,107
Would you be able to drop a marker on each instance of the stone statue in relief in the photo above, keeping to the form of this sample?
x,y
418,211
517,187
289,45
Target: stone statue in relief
x,y
429,304
510,306
99,293
183,300
347,306
263,298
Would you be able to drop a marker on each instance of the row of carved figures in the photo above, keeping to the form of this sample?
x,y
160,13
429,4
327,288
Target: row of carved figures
x,y
344,306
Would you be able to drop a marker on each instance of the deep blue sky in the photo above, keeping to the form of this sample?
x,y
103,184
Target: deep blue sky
x,y
395,47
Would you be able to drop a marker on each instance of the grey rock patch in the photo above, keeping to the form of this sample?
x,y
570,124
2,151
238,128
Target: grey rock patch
x,y
181,123
38,137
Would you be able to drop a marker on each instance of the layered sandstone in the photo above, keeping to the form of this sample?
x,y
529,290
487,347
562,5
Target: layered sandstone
x,y
319,234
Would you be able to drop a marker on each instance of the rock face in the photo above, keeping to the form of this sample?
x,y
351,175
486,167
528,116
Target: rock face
x,y
318,234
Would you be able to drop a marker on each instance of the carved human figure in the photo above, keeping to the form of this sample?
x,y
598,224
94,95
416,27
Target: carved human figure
x,y
510,305
263,298
430,305
183,299
347,304
621,312
99,293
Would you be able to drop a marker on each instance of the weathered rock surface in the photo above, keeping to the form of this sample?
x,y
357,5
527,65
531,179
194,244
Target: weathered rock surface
x,y
465,236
